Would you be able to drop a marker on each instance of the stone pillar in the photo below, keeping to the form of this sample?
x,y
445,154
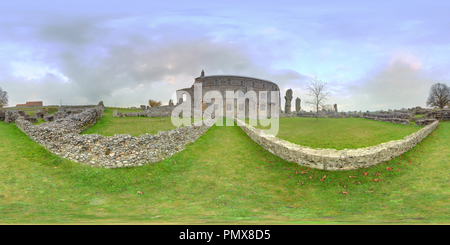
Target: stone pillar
x,y
288,98
297,104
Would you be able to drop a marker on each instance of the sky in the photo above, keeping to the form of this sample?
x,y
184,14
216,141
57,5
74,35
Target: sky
x,y
376,55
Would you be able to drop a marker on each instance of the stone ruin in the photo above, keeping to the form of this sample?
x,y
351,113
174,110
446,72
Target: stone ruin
x,y
341,115
79,108
424,122
308,114
40,113
408,116
288,98
336,160
298,105
159,111
419,110
441,115
62,137
12,115
395,118
355,115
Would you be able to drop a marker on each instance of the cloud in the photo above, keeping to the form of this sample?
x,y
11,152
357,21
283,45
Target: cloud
x,y
401,83
86,60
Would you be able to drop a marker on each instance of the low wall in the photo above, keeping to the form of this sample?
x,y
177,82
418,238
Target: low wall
x,y
331,159
424,122
391,120
407,116
62,137
159,111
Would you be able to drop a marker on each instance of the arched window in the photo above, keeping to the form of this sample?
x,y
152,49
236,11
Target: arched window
x,y
263,86
242,83
253,85
216,82
228,81
203,83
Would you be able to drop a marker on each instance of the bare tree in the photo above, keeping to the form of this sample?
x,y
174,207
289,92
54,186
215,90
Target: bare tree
x,y
439,95
317,92
3,98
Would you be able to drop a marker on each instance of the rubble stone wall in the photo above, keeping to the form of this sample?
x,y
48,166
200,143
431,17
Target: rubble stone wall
x,y
336,160
62,137
408,116
12,115
424,122
441,115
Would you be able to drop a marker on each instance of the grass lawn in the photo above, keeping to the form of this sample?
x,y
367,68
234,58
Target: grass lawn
x,y
339,133
223,177
135,126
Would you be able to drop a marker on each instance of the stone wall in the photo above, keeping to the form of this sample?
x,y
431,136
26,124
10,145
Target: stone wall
x,y
424,122
62,137
307,114
331,159
338,116
395,118
441,115
159,111
408,116
12,115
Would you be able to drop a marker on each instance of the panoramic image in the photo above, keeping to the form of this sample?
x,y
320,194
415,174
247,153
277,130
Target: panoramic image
x,y
232,113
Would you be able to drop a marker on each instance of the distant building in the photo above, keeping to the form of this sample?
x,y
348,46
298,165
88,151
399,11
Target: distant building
x,y
30,104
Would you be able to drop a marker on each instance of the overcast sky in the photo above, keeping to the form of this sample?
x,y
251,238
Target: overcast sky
x,y
378,55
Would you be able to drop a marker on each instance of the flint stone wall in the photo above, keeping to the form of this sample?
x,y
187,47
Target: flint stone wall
x,y
424,122
13,115
331,159
62,137
395,121
408,116
308,114
338,116
39,113
441,115
391,120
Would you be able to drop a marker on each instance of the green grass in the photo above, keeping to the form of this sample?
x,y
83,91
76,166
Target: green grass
x,y
135,126
339,133
223,177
